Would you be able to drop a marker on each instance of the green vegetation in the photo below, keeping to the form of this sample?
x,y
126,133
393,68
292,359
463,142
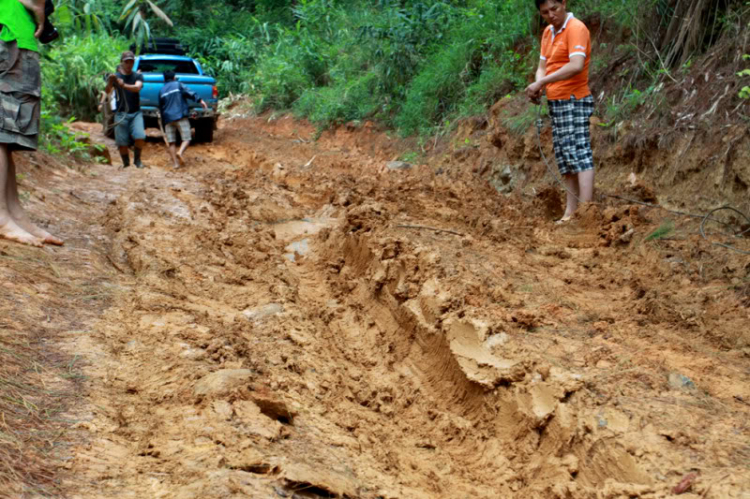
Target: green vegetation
x,y
57,138
745,90
73,73
663,231
413,65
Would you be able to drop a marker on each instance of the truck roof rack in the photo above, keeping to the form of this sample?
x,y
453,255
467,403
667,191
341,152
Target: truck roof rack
x,y
170,46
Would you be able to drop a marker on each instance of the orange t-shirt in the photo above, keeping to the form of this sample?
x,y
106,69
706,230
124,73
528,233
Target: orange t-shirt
x,y
573,40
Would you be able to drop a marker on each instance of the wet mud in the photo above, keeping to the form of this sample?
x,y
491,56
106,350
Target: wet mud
x,y
289,318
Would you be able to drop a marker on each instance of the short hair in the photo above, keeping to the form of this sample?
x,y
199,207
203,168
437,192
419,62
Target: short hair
x,y
539,3
168,75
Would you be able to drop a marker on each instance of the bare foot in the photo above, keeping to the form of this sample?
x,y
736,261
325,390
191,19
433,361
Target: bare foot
x,y
11,231
27,225
43,235
180,159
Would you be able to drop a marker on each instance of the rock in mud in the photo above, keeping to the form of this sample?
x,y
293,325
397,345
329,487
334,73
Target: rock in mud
x,y
263,312
325,482
503,179
223,381
398,165
680,382
475,359
272,406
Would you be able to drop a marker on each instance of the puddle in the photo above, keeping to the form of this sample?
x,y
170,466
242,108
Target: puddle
x,y
307,226
297,233
301,248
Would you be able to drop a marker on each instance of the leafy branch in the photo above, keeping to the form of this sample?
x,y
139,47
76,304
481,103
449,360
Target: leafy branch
x,y
134,15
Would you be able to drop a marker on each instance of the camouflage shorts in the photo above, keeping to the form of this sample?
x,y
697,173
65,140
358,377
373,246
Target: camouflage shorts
x,y
20,90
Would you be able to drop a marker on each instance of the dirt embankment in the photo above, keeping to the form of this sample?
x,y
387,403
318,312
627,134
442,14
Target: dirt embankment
x,y
286,318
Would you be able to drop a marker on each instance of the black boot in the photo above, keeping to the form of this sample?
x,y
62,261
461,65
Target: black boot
x,y
137,158
125,159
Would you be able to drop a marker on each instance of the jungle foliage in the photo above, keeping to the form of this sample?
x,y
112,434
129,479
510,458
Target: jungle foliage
x,y
414,65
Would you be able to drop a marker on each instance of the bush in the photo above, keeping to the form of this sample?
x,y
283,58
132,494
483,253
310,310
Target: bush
x,y
350,100
58,138
413,64
73,73
473,65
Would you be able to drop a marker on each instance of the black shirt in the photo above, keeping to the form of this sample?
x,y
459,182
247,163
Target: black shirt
x,y
132,99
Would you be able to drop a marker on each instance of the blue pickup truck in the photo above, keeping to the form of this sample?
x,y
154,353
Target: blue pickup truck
x,y
189,72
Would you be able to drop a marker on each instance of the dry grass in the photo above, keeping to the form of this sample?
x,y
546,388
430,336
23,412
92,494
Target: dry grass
x,y
28,431
37,382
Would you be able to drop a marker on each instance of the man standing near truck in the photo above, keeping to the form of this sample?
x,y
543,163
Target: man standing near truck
x,y
129,129
173,108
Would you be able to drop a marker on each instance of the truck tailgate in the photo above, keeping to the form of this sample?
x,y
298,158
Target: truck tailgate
x,y
152,83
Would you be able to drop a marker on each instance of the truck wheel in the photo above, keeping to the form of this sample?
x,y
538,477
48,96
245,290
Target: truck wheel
x,y
204,130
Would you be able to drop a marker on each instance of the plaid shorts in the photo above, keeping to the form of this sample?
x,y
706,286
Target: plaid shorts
x,y
20,91
183,126
570,134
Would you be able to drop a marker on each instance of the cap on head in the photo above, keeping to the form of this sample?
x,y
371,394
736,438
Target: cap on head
x,y
127,56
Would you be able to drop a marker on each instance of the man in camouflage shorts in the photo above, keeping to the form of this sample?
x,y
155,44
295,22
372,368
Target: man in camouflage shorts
x,y
20,89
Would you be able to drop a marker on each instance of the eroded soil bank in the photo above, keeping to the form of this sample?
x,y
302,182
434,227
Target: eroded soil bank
x,y
286,318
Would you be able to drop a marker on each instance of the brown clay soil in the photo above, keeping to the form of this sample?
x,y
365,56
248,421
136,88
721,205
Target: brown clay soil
x,y
284,317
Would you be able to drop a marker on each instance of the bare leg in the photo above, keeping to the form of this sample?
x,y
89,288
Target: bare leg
x,y
571,195
173,154
17,212
183,146
10,228
586,185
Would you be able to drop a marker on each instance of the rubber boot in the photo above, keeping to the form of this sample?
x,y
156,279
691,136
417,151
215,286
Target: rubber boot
x,y
137,158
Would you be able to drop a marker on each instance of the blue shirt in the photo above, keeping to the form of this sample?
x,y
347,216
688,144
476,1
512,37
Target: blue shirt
x,y
173,101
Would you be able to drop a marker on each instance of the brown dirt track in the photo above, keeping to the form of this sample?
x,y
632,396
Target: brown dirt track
x,y
262,325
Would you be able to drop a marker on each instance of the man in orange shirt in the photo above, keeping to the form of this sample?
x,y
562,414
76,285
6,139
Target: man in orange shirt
x,y
563,73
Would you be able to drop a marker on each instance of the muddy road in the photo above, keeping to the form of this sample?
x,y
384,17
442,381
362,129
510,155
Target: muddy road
x,y
285,317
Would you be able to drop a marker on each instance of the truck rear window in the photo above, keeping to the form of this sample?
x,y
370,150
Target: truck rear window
x,y
159,66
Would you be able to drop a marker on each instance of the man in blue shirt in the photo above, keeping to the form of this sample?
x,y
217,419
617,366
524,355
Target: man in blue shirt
x,y
174,111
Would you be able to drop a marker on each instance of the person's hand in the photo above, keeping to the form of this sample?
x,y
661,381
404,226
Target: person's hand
x,y
39,17
120,82
203,103
534,92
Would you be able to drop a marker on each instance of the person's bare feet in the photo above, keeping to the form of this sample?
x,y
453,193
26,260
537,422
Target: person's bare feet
x,y
180,159
27,225
45,236
13,232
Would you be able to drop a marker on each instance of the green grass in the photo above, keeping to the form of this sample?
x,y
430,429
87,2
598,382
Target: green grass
x,y
663,231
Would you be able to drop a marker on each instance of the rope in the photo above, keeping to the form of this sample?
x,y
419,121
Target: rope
x,y
106,111
703,218
728,246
